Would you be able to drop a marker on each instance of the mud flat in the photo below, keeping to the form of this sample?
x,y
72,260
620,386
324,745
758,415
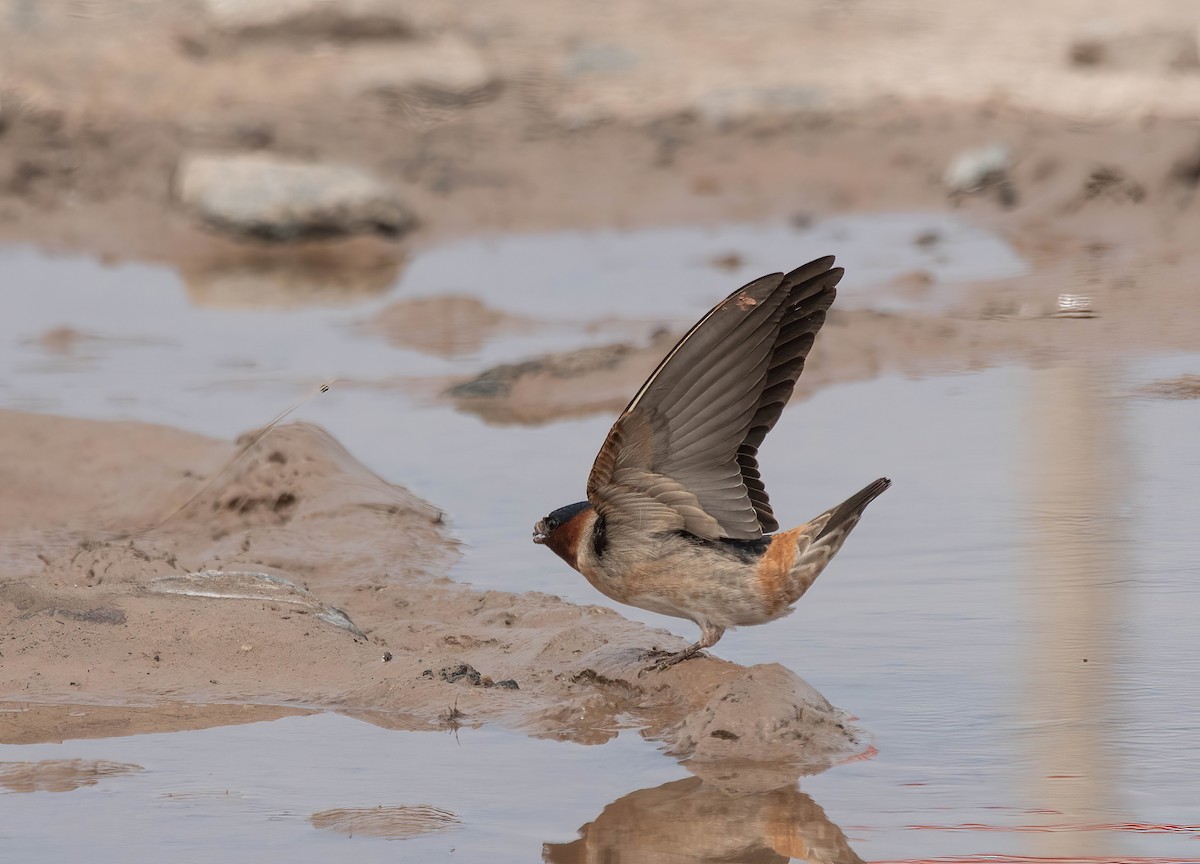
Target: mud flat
x,y
281,572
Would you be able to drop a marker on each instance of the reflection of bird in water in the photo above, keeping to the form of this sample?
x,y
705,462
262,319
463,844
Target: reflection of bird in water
x,y
695,821
677,519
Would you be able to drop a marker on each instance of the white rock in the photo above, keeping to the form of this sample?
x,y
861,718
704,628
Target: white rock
x,y
266,197
972,170
448,69
334,18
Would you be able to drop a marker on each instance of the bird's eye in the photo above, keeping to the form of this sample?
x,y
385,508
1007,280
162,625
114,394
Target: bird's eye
x,y
551,523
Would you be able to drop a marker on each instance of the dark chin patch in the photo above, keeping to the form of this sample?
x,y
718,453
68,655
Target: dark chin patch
x,y
599,536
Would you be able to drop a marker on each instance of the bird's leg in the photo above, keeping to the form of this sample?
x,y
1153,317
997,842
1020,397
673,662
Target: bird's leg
x,y
678,657
709,635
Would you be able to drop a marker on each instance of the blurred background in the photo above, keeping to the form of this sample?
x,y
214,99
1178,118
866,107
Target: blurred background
x,y
486,222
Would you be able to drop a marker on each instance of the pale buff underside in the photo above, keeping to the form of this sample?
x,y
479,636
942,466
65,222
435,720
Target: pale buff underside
x,y
670,575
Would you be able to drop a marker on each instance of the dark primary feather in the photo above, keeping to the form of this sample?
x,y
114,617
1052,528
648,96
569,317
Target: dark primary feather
x,y
683,454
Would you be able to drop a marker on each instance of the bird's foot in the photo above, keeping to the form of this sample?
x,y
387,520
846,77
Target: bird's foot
x,y
667,659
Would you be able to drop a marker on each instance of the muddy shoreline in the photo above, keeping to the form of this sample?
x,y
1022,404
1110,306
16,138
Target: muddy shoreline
x,y
178,601
1099,203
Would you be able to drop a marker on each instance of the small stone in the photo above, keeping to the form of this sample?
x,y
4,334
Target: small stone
x,y
448,70
507,684
387,658
972,170
260,196
342,19
982,170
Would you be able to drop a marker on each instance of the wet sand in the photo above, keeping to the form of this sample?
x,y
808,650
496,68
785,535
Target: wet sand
x,y
172,600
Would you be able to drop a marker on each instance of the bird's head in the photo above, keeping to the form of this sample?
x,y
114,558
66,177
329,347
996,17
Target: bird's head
x,y
563,530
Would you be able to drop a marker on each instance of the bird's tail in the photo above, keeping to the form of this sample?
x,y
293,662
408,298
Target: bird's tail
x,y
821,538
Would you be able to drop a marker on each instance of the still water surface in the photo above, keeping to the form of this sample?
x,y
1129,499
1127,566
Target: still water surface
x,y
1013,621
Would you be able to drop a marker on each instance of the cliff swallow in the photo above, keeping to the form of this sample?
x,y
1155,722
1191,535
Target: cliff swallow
x,y
677,519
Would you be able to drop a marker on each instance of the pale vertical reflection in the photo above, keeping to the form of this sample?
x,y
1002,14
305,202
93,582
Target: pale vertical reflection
x,y
1073,590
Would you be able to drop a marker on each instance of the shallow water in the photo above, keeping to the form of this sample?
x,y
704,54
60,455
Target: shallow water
x,y
248,793
1012,621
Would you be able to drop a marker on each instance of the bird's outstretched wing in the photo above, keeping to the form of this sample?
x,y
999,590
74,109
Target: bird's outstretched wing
x,y
683,453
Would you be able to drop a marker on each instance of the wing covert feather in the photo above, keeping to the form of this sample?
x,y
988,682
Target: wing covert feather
x,y
683,455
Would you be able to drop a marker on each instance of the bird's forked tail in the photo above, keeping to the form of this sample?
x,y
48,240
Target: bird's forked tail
x,y
820,539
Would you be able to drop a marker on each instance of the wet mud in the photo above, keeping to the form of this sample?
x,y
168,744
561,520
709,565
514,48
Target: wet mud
x,y
292,575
